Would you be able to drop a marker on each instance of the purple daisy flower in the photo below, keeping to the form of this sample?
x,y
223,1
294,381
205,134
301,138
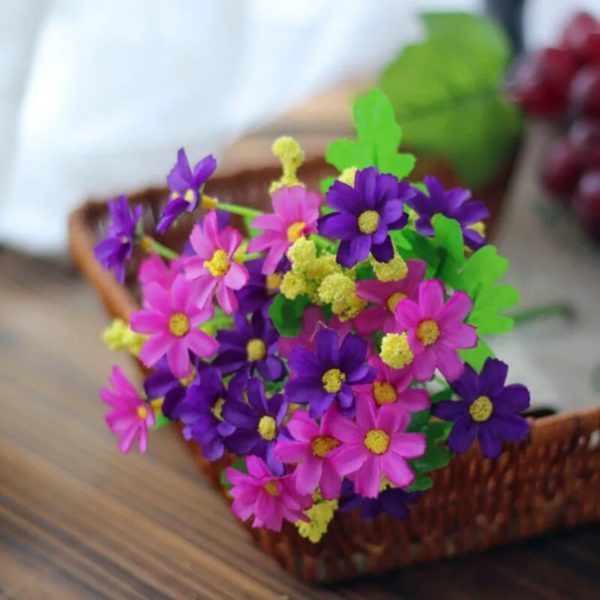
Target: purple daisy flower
x,y
260,290
393,501
186,187
200,411
161,383
487,410
117,247
365,215
250,347
454,204
327,374
256,424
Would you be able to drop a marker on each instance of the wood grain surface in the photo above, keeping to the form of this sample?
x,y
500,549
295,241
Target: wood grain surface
x,y
78,520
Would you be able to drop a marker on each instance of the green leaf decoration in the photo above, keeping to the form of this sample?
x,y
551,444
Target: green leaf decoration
x,y
419,421
287,314
436,457
447,93
378,138
441,396
420,484
159,421
477,356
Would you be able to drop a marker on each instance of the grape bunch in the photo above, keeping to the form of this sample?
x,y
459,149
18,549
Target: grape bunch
x,y
563,83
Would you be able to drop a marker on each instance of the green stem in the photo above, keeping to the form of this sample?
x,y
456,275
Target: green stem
x,y
560,309
234,209
151,245
252,256
322,243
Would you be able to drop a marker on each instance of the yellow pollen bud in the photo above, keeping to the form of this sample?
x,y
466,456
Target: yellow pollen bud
x,y
273,282
179,324
393,300
189,196
218,265
295,231
337,287
185,381
332,380
428,332
348,175
142,413
217,409
377,441
256,350
267,428
208,202
384,392
393,270
292,285
291,156
271,488
302,253
368,222
481,409
395,350
322,445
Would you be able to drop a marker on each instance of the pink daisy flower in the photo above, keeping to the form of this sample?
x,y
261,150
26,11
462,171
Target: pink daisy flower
x,y
385,297
130,416
310,450
436,330
214,267
296,214
270,499
154,268
312,321
392,386
376,444
170,318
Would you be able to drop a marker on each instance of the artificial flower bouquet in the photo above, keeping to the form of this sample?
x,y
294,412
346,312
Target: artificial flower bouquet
x,y
333,355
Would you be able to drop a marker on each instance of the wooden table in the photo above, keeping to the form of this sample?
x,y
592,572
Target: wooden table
x,y
78,520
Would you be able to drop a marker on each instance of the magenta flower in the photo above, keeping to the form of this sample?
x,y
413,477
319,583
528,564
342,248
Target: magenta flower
x,y
311,450
171,318
214,267
154,268
296,214
130,416
392,386
436,330
313,320
385,297
376,444
270,499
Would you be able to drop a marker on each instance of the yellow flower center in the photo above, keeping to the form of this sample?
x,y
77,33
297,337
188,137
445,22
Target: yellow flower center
x,y
217,409
267,428
428,332
384,392
395,350
189,196
271,488
393,300
294,231
219,264
377,441
333,380
179,324
322,445
273,282
368,222
481,409
255,350
142,413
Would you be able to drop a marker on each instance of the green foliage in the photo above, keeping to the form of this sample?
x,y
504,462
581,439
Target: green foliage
x,y
436,456
420,484
378,138
160,421
447,93
287,314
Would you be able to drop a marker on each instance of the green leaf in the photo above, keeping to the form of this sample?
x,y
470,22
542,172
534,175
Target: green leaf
x,y
477,356
441,396
438,431
159,421
287,314
447,93
378,139
419,421
436,457
420,484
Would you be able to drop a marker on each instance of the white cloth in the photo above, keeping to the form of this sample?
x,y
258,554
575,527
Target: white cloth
x,y
111,89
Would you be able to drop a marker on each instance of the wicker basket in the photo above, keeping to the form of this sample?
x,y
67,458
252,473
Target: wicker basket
x,y
550,481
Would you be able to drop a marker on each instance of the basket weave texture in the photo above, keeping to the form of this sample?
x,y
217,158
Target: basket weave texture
x,y
550,481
